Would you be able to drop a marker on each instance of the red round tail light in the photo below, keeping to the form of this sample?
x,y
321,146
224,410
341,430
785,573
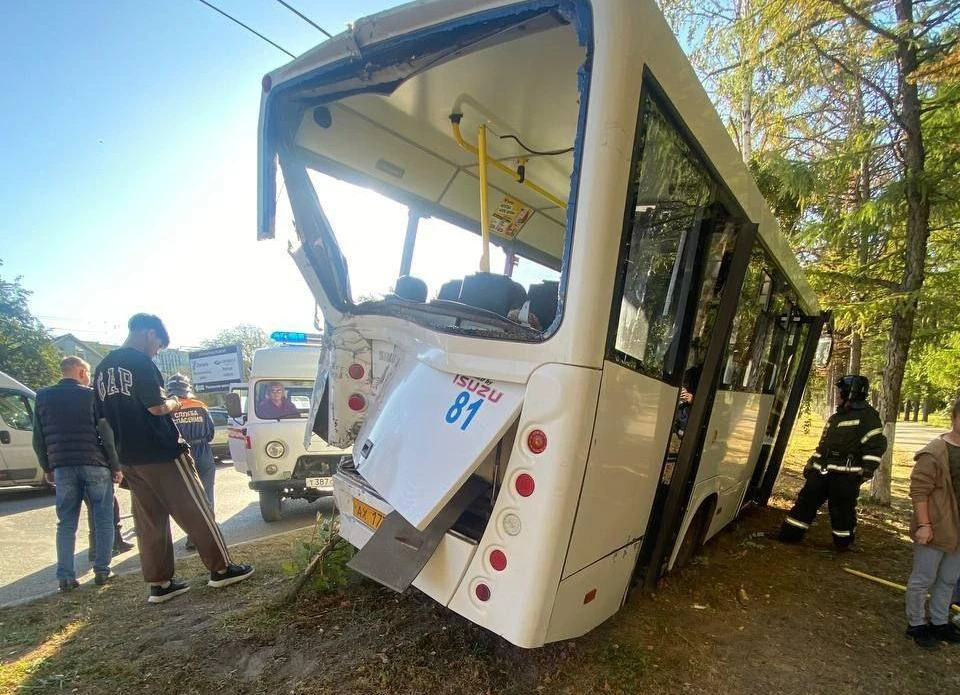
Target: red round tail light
x,y
357,402
524,484
537,441
498,560
483,592
356,371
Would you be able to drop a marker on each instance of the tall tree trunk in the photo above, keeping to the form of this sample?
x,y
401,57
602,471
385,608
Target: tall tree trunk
x,y
831,395
915,252
861,197
746,70
926,409
916,410
856,351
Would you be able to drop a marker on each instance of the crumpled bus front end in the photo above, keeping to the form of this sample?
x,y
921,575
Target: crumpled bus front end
x,y
431,159
459,487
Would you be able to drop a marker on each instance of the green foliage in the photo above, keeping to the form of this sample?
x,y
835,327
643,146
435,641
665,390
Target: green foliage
x,y
817,86
249,337
332,572
849,114
26,352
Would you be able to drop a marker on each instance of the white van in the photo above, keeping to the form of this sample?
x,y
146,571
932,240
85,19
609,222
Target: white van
x,y
269,445
18,462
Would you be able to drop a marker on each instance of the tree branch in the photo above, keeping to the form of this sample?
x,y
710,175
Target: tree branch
x,y
874,87
858,279
866,22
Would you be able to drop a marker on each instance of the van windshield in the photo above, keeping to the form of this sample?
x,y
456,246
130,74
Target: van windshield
x,y
395,185
283,399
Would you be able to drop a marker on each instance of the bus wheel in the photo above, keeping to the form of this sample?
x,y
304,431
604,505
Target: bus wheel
x,y
693,538
270,505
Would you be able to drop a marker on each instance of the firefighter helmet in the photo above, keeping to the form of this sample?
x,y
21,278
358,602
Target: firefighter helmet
x,y
179,385
853,387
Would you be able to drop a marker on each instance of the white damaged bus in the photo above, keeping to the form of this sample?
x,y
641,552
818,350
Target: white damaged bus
x,y
565,340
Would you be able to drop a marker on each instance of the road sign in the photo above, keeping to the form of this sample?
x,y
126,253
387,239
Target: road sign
x,y
216,369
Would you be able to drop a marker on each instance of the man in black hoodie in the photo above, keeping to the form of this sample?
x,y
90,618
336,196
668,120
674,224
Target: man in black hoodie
x,y
156,463
71,449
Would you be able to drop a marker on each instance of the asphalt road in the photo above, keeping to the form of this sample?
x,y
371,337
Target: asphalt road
x,y
28,524
913,436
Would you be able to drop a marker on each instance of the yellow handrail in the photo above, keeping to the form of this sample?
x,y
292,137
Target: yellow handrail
x,y
484,214
455,126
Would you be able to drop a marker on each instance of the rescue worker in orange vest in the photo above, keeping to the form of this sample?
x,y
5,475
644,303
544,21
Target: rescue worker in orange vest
x,y
848,454
197,428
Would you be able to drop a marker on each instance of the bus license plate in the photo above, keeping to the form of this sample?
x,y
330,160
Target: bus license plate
x,y
367,514
319,483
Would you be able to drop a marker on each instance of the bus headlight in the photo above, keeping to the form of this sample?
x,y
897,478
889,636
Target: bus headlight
x,y
275,449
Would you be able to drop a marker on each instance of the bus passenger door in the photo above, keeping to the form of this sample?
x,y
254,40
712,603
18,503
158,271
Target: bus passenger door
x,y
724,264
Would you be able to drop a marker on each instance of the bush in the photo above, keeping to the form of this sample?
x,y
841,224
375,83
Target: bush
x,y
332,573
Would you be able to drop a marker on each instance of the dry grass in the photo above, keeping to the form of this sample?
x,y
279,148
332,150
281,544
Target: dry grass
x,y
748,615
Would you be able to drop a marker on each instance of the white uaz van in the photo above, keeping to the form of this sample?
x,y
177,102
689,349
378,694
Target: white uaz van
x,y
269,445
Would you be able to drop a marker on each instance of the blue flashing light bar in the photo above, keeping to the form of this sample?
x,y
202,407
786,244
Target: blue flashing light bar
x,y
288,337
295,337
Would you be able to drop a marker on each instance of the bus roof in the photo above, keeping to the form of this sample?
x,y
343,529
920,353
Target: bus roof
x,y
381,138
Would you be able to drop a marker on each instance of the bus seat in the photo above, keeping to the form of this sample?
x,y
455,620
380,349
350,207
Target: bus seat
x,y
410,288
544,298
450,291
493,292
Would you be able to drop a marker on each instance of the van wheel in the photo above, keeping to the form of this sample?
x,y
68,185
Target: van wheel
x,y
270,505
693,538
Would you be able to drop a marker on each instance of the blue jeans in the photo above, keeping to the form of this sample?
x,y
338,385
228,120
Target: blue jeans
x,y
73,484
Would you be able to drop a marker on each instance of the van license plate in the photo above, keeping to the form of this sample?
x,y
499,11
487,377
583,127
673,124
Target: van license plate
x,y
367,514
319,482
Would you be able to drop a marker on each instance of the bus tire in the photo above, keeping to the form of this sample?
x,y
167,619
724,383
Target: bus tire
x,y
270,505
693,538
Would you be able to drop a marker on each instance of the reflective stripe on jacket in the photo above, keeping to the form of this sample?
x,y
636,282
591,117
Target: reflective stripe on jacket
x,y
852,442
194,421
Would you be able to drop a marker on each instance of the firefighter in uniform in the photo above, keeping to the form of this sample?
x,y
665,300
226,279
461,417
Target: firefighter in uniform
x,y
848,454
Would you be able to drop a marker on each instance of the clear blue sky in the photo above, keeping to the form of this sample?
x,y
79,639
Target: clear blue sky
x,y
128,140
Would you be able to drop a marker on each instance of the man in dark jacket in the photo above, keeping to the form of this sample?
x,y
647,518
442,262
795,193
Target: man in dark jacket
x,y
848,454
70,447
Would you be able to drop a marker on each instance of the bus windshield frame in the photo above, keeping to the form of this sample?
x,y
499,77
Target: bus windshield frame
x,y
288,107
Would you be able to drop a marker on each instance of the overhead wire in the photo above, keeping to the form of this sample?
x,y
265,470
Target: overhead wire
x,y
248,28
306,19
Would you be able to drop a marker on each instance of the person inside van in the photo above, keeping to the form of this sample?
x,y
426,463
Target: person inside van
x,y
275,404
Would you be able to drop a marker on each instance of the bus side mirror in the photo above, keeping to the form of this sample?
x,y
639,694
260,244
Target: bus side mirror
x,y
232,404
824,349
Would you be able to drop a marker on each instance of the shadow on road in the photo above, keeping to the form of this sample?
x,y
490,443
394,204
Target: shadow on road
x,y
21,499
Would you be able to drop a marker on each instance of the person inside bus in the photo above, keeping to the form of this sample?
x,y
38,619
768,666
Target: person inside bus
x,y
275,405
688,390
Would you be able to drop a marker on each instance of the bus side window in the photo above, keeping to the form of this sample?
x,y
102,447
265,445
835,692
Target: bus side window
x,y
669,197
